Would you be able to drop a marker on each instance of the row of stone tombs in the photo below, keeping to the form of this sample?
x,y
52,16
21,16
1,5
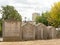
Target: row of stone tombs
x,y
40,31
30,31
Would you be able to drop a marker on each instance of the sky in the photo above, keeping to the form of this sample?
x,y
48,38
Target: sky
x,y
27,7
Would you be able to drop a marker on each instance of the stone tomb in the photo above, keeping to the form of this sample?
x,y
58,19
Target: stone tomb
x,y
11,31
28,31
52,32
41,31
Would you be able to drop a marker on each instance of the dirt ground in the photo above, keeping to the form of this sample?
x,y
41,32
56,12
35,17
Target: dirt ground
x,y
36,42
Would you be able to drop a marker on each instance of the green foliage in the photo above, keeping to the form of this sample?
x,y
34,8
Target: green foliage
x,y
54,18
9,13
38,19
42,18
0,27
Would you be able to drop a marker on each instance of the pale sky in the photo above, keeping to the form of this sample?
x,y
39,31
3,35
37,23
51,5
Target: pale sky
x,y
27,7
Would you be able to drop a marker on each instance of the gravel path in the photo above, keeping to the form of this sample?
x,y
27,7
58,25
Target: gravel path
x,y
36,42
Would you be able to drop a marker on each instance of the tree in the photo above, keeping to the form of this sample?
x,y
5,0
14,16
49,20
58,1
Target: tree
x,y
10,13
42,18
54,17
0,27
38,19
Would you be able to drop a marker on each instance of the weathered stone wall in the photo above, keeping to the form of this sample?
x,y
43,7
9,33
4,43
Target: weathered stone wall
x,y
11,29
